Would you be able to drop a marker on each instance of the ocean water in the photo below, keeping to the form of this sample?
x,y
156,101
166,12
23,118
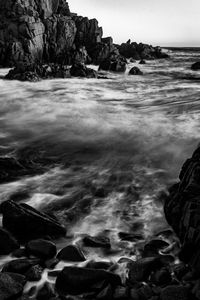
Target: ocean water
x,y
101,154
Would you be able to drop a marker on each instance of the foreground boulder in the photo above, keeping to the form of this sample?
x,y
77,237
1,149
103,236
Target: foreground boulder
x,y
11,285
7,242
26,223
75,281
71,253
41,248
19,266
195,66
97,241
182,210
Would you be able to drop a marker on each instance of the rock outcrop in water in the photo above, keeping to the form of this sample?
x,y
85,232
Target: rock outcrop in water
x,y
182,210
45,31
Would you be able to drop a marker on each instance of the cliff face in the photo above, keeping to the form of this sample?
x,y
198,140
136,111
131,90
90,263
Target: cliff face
x,y
182,210
43,30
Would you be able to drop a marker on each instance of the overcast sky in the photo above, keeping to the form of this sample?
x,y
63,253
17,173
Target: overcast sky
x,y
158,22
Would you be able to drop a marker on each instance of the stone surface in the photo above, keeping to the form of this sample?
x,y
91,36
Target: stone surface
x,y
41,248
174,292
195,66
75,281
182,210
135,71
20,266
7,242
97,241
114,63
71,253
26,223
11,285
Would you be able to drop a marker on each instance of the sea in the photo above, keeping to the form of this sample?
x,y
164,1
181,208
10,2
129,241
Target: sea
x,y
100,154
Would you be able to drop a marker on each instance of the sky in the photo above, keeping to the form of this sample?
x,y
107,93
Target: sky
x,y
156,22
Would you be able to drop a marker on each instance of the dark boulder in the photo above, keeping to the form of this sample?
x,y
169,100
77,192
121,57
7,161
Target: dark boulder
x,y
105,265
71,253
135,71
20,266
80,70
142,62
75,281
27,223
7,242
182,209
97,241
114,63
195,66
34,273
41,248
11,286
175,292
142,268
46,292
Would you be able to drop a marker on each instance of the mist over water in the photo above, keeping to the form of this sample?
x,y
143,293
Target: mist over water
x,y
102,152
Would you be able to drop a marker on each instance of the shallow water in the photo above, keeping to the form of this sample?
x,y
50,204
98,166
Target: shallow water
x,y
101,153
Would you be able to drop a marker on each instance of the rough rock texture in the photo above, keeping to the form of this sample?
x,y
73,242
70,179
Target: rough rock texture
x,y
11,285
140,51
182,210
26,223
7,242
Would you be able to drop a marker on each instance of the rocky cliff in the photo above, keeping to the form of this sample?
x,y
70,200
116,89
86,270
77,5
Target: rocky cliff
x,y
45,31
182,210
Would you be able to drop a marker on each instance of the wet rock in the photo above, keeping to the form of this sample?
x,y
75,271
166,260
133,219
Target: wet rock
x,y
195,66
11,285
131,237
34,273
175,292
161,277
105,294
98,265
145,292
41,248
180,270
182,210
20,266
7,242
153,247
142,268
97,241
142,62
71,253
135,71
121,292
46,292
26,223
19,253
113,63
75,281
80,70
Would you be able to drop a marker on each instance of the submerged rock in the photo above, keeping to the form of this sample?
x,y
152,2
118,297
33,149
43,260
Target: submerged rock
x,y
7,242
41,248
11,285
75,281
195,66
27,223
97,241
135,71
71,253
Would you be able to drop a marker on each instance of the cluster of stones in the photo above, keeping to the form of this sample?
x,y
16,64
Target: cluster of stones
x,y
28,237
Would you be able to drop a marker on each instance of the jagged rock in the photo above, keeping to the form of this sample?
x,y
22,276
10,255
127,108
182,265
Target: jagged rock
x,y
7,242
11,285
114,63
182,210
71,253
41,248
135,71
26,223
80,70
195,66
34,273
75,281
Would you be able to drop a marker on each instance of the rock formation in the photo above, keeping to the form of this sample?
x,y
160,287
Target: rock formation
x,y
182,210
35,31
